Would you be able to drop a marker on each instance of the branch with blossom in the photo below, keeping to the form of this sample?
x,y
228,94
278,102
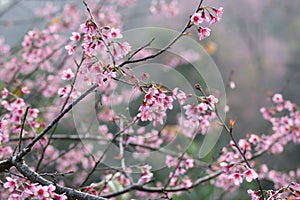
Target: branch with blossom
x,y
42,83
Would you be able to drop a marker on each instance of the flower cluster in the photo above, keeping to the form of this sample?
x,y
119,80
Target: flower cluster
x,y
156,103
201,114
150,139
23,190
180,177
210,15
284,117
15,109
161,6
38,46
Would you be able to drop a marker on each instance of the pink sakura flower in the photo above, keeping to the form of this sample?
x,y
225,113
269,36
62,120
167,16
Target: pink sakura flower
x,y
33,112
70,49
202,107
60,197
11,184
41,191
173,181
115,33
203,33
181,96
180,170
120,50
171,161
4,93
189,163
67,74
253,194
212,99
51,189
15,196
191,112
277,98
204,17
75,36
25,90
146,174
289,106
236,177
254,139
214,19
187,183
196,18
250,174
145,178
219,11
244,145
63,92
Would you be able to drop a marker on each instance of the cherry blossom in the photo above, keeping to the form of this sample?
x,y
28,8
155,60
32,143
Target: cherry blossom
x,y
196,18
75,36
11,184
67,74
250,174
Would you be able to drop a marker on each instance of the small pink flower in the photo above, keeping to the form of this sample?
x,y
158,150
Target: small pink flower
x,y
189,163
25,90
11,184
202,107
254,139
173,181
253,194
196,18
277,98
116,33
187,183
4,93
34,112
41,191
203,33
236,177
70,49
204,17
179,171
61,197
212,99
250,174
63,92
67,74
75,36
218,11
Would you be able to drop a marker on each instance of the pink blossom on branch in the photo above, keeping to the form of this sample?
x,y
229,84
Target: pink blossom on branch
x,y
203,32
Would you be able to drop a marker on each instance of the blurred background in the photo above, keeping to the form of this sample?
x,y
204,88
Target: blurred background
x,y
256,45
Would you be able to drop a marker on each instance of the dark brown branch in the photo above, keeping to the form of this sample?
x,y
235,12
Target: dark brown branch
x,y
36,178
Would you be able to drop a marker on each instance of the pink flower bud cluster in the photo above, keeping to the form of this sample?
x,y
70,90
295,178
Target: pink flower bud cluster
x,y
208,15
15,108
156,103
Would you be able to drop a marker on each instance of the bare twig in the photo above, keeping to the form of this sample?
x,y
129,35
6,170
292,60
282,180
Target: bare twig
x,y
22,129
105,150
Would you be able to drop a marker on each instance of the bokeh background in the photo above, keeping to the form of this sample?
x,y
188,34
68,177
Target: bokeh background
x,y
256,45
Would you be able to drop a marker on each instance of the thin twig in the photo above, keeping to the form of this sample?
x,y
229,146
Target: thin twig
x,y
22,129
27,149
99,31
105,150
